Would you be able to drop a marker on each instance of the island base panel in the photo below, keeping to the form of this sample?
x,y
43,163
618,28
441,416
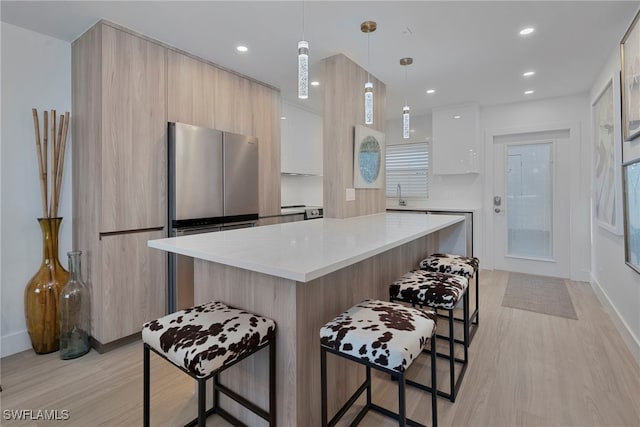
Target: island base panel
x,y
300,310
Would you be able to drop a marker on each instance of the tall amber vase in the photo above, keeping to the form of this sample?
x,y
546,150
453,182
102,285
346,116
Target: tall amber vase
x,y
43,290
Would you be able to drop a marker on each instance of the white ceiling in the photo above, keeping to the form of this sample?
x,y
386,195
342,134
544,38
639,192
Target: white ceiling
x,y
467,51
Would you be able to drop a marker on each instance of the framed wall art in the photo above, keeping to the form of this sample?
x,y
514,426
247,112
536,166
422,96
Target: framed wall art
x,y
630,65
607,179
368,158
632,214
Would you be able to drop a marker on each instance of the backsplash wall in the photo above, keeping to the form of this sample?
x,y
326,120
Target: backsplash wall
x,y
301,190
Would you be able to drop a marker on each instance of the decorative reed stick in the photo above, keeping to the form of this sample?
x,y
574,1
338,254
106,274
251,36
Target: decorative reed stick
x,y
58,146
43,177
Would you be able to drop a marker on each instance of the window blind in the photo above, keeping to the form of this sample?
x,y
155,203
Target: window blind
x,y
408,165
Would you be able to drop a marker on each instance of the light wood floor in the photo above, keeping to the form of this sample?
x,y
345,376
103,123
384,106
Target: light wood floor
x,y
526,369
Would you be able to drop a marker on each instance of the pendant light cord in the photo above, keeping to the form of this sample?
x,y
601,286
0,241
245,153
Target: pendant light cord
x,y
303,20
368,57
405,85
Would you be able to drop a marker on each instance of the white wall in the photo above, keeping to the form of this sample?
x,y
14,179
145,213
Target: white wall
x,y
616,284
301,190
571,111
36,73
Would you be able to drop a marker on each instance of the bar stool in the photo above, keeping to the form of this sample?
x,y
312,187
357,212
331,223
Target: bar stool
x,y
205,340
460,266
384,336
438,291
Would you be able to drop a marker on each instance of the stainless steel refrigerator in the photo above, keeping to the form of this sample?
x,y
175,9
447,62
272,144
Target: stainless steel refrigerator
x,y
213,186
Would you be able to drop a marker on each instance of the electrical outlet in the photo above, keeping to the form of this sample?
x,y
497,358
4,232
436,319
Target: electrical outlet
x,y
351,194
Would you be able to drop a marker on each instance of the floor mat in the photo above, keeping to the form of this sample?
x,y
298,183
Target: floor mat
x,y
546,295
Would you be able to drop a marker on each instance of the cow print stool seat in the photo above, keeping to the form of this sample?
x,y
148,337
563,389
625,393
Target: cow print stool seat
x,y
438,291
460,266
205,340
384,336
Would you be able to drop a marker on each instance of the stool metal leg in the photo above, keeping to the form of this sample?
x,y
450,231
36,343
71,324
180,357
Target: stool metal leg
x,y
323,384
434,386
466,326
272,383
202,402
402,405
146,386
452,357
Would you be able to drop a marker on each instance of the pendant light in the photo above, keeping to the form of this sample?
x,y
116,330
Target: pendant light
x,y
368,27
303,64
406,125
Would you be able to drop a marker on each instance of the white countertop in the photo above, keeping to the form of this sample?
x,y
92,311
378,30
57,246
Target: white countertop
x,y
306,250
436,205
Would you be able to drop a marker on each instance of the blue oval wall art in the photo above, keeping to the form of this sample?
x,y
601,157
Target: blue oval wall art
x,y
369,159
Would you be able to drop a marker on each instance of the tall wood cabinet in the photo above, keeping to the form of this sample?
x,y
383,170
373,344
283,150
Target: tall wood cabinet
x,y
125,88
119,176
201,94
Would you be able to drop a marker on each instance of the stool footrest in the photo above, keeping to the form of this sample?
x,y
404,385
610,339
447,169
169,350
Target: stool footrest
x,y
393,415
242,401
439,392
194,422
348,405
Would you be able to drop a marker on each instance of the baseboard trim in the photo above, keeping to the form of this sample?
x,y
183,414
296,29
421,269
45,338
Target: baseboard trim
x,y
629,338
103,348
14,343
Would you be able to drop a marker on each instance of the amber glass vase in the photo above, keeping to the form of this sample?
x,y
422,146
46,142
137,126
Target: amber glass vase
x,y
43,290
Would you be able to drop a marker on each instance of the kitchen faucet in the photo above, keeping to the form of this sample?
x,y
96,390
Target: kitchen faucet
x,y
401,201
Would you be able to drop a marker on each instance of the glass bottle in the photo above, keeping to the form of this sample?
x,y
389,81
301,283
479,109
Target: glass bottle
x,y
75,312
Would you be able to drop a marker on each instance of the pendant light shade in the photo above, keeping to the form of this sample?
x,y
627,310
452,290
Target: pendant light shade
x,y
406,125
303,69
368,103
406,120
368,27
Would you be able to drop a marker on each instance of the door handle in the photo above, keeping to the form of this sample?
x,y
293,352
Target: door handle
x,y
497,210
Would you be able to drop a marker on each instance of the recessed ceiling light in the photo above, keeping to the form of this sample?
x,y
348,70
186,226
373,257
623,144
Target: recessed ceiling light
x,y
528,92
242,48
315,83
528,73
527,31
283,118
457,117
430,91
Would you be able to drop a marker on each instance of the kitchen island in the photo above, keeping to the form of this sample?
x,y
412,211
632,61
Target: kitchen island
x,y
302,274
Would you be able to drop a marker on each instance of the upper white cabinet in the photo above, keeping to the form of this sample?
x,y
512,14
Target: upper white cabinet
x,y
301,143
455,140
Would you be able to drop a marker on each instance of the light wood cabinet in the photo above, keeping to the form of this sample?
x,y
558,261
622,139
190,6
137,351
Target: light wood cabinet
x,y
455,140
134,132
202,94
119,154
125,88
133,283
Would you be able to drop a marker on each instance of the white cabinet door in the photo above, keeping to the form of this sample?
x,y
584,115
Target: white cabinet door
x,y
301,144
455,140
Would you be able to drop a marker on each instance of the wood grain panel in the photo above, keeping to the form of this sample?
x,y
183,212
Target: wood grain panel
x,y
266,125
203,95
268,296
300,310
134,132
86,122
191,91
343,93
134,283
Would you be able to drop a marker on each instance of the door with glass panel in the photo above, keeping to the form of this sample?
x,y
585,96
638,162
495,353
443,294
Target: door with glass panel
x,y
530,216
